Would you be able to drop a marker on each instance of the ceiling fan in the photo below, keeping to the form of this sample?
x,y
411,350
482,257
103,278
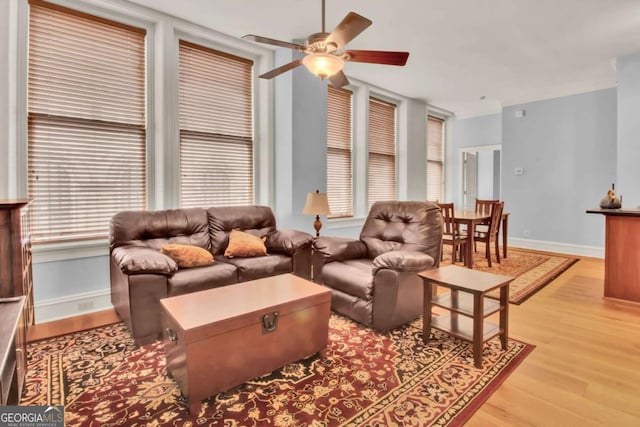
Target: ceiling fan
x,y
324,55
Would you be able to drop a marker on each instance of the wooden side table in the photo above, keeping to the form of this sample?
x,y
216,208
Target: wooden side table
x,y
467,305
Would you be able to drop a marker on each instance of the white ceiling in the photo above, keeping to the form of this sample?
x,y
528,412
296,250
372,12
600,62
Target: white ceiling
x,y
511,51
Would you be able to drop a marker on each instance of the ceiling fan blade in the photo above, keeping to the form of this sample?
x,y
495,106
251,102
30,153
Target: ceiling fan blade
x,y
281,69
376,57
338,80
352,25
274,42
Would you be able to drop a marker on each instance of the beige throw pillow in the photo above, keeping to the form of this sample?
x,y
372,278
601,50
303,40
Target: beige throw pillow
x,y
244,245
187,256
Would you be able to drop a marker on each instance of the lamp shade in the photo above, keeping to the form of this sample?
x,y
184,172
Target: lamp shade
x,y
323,65
317,204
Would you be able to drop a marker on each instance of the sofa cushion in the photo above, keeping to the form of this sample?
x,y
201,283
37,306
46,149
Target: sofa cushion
x,y
353,277
259,267
256,220
158,228
244,245
187,256
411,226
201,278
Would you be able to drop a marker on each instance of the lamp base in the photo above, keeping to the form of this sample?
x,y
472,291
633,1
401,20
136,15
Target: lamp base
x,y
317,224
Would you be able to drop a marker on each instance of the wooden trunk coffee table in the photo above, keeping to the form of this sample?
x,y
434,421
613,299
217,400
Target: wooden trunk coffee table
x,y
467,305
219,338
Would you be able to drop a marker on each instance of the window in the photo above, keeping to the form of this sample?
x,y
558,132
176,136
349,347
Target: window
x,y
435,157
216,128
86,122
381,144
339,152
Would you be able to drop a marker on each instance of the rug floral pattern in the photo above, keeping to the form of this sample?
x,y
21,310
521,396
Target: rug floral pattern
x,y
532,271
365,378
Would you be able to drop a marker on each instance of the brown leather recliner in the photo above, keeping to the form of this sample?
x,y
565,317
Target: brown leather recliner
x,y
374,280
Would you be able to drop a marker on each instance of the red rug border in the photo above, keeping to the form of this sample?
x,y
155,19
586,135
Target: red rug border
x,y
551,278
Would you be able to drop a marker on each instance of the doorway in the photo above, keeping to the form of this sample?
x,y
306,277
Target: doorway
x,y
480,174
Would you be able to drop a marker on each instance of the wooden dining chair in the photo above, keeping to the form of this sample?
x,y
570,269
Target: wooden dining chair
x,y
483,207
451,234
491,235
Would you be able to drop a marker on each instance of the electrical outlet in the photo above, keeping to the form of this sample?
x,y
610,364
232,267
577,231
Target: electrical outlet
x,y
526,233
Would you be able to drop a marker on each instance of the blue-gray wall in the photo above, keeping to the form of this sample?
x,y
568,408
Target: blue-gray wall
x,y
567,147
472,132
300,142
628,171
70,277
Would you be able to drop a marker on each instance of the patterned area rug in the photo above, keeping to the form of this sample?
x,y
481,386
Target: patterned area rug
x,y
365,379
532,271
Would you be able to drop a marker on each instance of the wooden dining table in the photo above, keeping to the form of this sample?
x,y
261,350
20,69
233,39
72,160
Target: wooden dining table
x,y
472,218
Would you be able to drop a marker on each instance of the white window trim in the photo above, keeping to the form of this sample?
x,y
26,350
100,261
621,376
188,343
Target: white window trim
x,y
163,32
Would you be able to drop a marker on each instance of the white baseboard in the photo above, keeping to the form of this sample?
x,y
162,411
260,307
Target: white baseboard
x,y
563,248
72,305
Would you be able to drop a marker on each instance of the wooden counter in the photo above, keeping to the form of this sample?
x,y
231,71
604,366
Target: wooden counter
x,y
621,253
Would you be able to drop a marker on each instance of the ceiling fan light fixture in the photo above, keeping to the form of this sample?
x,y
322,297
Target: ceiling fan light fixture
x,y
323,65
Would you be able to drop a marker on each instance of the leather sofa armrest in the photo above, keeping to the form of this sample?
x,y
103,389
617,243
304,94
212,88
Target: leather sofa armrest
x,y
132,259
339,248
403,261
288,241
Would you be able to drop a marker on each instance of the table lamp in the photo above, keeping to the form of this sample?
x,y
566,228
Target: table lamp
x,y
317,204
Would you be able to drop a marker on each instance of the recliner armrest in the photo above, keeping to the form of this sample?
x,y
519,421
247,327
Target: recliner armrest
x,y
132,259
339,248
288,241
403,261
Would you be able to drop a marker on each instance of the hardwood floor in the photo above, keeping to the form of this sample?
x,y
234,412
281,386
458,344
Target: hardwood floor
x,y
71,324
585,369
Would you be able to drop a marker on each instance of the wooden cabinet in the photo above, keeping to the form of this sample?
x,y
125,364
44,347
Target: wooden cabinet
x,y
621,253
13,354
15,281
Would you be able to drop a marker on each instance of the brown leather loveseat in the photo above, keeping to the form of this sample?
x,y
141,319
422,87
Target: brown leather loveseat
x,y
374,280
141,274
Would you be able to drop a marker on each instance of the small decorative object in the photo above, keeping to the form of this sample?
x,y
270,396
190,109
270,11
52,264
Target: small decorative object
x,y
610,201
317,204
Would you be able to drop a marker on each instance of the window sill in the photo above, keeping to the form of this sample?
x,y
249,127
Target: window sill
x,y
51,252
345,223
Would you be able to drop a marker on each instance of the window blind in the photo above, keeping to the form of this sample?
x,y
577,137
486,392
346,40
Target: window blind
x,y
339,152
381,173
216,128
435,157
86,122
